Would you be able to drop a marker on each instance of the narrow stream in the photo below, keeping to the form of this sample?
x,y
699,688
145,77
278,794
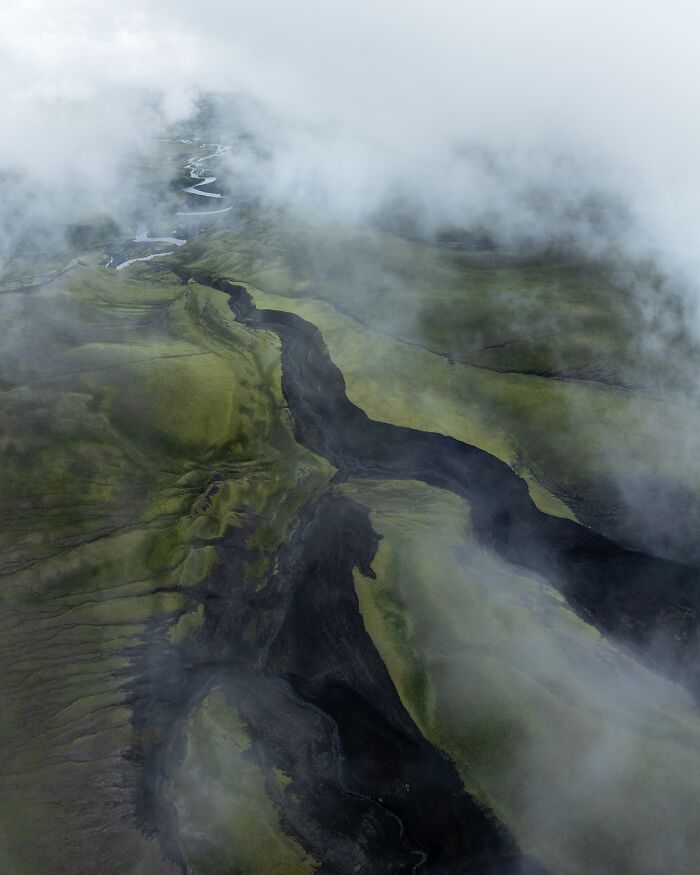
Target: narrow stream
x,y
142,236
142,258
197,167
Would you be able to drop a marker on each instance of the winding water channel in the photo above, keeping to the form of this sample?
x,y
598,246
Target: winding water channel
x,y
197,166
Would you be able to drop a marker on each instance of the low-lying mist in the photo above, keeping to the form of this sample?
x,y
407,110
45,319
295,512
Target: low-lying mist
x,y
534,121
548,133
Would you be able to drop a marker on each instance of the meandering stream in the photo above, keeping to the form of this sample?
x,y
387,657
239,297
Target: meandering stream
x,y
197,167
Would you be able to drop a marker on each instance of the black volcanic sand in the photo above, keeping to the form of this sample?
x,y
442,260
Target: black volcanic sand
x,y
324,652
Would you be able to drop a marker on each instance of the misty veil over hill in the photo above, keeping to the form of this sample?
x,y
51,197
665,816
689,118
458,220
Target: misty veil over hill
x,y
350,438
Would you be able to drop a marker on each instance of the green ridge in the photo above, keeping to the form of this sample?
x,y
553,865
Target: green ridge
x,y
123,457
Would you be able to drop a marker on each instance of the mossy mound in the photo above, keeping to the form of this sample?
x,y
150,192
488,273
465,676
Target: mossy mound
x,y
228,823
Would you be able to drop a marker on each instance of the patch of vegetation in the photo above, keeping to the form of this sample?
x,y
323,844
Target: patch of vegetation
x,y
227,822
137,423
562,735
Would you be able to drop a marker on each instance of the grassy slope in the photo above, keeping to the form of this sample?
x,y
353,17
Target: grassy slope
x,y
110,447
544,312
563,736
583,446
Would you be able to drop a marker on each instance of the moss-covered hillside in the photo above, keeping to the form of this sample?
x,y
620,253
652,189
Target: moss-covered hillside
x,y
138,423
163,575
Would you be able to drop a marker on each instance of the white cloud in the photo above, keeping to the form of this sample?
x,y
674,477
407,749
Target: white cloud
x,y
614,85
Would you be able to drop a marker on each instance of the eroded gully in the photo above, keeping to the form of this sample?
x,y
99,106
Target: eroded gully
x,y
305,675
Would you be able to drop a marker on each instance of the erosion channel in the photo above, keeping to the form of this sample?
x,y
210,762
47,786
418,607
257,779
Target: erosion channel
x,y
373,794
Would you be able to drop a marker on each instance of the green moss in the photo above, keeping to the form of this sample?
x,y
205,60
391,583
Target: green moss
x,y
227,822
196,566
186,625
282,778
